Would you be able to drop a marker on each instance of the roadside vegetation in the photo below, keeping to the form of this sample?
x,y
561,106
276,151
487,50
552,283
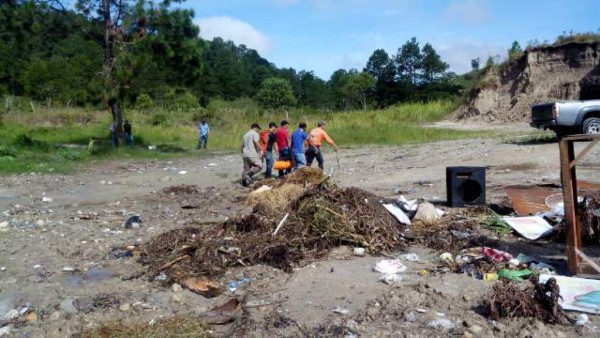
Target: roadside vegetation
x,y
57,139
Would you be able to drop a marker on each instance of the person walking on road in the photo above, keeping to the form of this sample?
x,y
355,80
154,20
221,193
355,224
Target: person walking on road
x,y
271,143
204,130
317,136
299,137
282,137
251,154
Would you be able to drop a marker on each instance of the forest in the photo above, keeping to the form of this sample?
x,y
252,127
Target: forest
x,y
145,54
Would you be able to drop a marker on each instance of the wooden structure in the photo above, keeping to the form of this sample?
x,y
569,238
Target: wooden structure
x,y
568,173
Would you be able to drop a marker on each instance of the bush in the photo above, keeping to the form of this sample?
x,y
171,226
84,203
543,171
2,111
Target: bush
x,y
8,151
181,100
144,101
159,119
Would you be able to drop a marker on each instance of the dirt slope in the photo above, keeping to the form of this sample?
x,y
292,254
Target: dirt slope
x,y
566,72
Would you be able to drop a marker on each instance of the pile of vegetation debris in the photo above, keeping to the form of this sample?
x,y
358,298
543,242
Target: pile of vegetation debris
x,y
303,230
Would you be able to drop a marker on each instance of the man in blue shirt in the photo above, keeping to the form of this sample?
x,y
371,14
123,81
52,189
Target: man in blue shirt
x,y
299,137
203,137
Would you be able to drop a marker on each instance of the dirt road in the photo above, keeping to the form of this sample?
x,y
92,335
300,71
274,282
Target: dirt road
x,y
58,234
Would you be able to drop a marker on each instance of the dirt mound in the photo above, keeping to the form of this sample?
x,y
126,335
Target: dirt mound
x,y
322,218
181,189
506,93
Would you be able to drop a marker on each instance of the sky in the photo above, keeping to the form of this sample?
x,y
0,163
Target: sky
x,y
326,35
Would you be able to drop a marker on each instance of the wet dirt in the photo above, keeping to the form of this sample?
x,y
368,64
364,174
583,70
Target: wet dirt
x,y
79,224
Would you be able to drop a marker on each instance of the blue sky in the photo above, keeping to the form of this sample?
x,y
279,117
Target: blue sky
x,y
325,35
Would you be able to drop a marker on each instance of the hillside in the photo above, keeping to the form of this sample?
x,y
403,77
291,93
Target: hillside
x,y
505,93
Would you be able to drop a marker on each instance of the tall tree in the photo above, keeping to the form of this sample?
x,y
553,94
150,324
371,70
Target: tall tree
x,y
515,50
276,93
432,64
410,61
358,87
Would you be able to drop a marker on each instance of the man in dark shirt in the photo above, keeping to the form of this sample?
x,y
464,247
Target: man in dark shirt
x,y
272,142
127,133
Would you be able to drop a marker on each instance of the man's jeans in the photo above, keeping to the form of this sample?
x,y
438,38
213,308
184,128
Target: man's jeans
x,y
202,139
270,161
311,154
300,161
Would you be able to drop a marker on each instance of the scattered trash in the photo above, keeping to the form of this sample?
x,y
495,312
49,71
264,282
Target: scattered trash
x,y
397,213
223,314
497,255
447,258
360,252
233,285
182,172
10,315
515,275
261,189
409,257
5,331
132,222
341,311
212,164
542,268
47,199
390,266
152,147
69,269
441,324
427,214
161,277
489,277
390,278
498,224
532,227
581,319
37,266
421,310
206,287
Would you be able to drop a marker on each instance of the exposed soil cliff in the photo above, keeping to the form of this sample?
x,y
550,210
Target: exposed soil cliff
x,y
507,92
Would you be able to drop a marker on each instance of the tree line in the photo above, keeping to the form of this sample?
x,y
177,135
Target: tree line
x,y
142,52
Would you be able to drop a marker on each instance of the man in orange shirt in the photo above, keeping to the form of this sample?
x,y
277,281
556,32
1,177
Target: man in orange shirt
x,y
317,136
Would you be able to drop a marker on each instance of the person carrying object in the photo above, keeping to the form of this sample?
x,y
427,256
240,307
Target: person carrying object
x,y
270,146
283,140
299,137
251,154
317,136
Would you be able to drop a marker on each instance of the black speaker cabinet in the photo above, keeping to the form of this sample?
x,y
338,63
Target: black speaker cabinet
x,y
465,185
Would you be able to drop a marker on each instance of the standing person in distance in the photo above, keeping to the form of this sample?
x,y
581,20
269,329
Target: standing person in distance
x,y
271,146
251,154
127,133
317,136
282,136
299,137
204,130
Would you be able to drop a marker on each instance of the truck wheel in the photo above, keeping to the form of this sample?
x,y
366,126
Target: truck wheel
x,y
591,125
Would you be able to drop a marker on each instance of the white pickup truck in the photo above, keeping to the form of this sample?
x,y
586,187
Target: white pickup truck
x,y
567,117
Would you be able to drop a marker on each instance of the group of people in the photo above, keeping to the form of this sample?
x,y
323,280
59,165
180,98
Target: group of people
x,y
300,147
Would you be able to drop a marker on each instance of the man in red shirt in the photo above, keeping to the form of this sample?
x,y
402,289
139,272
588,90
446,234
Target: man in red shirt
x,y
282,136
317,136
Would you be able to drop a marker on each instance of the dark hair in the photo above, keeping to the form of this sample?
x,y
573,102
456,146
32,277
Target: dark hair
x,y
272,124
284,122
302,125
255,125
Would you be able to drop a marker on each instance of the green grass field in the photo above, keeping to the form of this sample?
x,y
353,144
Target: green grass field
x,y
58,139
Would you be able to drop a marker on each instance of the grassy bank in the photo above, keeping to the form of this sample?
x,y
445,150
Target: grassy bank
x,y
57,139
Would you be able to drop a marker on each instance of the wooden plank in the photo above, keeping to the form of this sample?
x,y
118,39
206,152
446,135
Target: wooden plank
x,y
569,183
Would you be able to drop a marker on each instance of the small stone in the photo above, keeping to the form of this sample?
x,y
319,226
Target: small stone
x,y
5,331
4,226
125,307
47,199
67,306
56,315
176,287
476,329
10,315
40,223
176,297
468,335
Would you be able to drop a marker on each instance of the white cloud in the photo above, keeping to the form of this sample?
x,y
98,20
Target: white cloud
x,y
238,31
467,11
458,54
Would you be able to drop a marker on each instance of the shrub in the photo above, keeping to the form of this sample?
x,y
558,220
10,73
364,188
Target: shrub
x,y
144,101
159,119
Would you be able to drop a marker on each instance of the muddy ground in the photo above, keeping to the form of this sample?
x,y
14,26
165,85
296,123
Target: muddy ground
x,y
58,234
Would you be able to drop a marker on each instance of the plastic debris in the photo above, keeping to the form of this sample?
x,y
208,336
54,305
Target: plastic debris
x,y
489,277
233,285
47,199
390,266
182,172
410,257
427,214
531,227
515,275
581,319
341,311
397,213
497,255
359,252
132,222
390,278
441,324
